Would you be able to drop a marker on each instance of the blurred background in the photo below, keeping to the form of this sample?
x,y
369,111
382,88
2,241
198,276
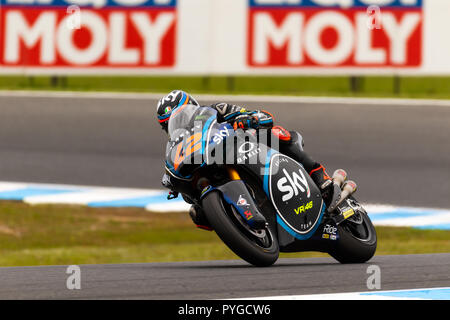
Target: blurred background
x,y
354,47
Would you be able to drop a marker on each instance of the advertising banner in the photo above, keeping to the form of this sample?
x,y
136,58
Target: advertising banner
x,y
225,37
88,33
324,34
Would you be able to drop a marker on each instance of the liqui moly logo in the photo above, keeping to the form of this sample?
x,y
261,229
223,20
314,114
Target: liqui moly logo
x,y
88,33
335,33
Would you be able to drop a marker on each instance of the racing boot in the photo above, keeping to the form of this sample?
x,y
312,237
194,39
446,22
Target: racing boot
x,y
331,192
199,218
324,182
291,144
320,177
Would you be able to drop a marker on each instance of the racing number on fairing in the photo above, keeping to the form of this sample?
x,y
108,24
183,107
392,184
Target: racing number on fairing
x,y
193,143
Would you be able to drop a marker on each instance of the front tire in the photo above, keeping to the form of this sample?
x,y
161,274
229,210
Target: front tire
x,y
258,251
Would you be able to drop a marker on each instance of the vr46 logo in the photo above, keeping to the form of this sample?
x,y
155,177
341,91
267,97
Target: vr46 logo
x,y
304,208
292,184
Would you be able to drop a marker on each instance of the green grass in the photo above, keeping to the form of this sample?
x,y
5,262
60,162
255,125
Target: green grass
x,y
63,235
369,86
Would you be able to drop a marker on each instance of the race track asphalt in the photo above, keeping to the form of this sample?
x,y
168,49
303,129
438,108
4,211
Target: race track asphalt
x,y
397,154
223,279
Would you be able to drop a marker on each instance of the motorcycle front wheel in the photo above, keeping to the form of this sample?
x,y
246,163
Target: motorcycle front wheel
x,y
257,247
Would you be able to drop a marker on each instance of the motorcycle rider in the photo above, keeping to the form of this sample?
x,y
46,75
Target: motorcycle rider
x,y
241,118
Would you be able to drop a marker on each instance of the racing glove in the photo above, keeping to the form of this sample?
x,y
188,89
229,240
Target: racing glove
x,y
244,121
255,119
229,112
165,181
264,118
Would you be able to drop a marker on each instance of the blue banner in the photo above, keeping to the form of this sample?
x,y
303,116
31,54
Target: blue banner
x,y
91,3
344,4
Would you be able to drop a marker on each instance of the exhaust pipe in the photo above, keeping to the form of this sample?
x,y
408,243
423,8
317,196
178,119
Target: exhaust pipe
x,y
339,177
347,190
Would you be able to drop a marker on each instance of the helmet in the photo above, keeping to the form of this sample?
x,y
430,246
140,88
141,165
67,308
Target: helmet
x,y
169,103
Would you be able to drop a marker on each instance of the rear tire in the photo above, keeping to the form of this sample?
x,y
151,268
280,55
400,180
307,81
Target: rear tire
x,y
357,243
258,252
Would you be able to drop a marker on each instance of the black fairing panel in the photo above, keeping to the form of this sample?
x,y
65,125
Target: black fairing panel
x,y
296,200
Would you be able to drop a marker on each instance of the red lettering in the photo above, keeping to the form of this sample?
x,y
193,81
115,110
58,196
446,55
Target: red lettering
x,y
333,38
106,37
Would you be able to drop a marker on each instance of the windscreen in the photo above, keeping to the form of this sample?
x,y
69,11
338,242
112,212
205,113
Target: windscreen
x,y
184,118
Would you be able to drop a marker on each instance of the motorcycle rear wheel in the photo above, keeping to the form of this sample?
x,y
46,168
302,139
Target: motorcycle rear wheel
x,y
260,251
357,243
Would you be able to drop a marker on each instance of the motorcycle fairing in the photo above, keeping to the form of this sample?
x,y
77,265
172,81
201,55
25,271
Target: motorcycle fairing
x,y
195,134
289,226
236,194
186,148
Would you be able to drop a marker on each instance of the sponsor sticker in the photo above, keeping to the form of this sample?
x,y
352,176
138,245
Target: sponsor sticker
x,y
348,213
248,214
292,184
298,203
304,208
247,150
329,232
242,201
222,134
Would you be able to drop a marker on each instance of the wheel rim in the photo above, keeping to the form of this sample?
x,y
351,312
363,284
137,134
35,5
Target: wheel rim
x,y
359,231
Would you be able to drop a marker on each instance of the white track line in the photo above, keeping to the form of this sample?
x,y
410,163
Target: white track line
x,y
7,185
416,221
405,294
330,296
88,196
169,206
243,98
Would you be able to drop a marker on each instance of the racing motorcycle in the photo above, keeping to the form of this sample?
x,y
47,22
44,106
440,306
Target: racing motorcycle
x,y
259,201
